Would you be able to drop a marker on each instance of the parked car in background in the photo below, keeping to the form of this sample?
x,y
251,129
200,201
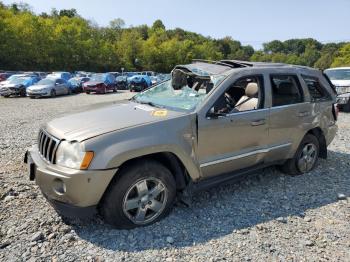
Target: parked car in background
x,y
122,83
340,78
49,87
5,82
18,86
4,76
211,123
116,74
82,74
100,83
63,75
149,73
139,83
76,83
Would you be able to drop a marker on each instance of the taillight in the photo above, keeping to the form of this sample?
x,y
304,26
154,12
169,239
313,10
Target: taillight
x,y
335,111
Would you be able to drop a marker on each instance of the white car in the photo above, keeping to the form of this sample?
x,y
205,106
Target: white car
x,y
340,78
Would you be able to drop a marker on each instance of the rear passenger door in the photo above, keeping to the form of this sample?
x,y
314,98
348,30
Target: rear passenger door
x,y
289,115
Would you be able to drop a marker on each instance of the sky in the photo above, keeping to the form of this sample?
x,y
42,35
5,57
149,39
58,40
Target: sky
x,y
249,21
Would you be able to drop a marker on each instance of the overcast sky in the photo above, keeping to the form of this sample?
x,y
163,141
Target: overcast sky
x,y
249,21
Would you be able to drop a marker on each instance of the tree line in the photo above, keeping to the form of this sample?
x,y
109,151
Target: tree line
x,y
63,40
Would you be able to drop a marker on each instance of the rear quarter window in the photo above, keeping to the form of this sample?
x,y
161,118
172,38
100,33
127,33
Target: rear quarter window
x,y
317,91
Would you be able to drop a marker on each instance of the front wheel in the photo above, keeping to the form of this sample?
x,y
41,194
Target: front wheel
x,y
53,93
305,158
142,194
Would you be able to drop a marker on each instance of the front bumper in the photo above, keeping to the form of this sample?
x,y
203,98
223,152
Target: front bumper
x,y
9,92
73,193
96,89
38,93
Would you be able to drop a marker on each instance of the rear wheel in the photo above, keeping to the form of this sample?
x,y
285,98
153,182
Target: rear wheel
x,y
305,158
141,195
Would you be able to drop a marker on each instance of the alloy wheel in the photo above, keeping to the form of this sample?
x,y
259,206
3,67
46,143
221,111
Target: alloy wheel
x,y
145,200
307,157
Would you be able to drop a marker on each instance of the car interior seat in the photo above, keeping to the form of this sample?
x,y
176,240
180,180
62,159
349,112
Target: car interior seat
x,y
250,100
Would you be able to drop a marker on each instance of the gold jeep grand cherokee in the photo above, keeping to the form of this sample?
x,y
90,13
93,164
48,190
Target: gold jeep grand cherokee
x,y
210,123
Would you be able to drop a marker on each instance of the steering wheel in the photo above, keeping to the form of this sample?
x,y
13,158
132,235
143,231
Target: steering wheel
x,y
231,102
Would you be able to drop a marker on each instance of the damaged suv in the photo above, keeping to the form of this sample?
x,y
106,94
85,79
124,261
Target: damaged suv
x,y
210,123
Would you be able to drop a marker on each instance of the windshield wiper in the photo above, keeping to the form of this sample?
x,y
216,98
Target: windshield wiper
x,y
146,103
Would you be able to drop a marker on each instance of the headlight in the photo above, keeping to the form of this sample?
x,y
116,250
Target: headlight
x,y
71,154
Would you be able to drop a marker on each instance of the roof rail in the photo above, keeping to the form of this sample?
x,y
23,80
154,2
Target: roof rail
x,y
212,62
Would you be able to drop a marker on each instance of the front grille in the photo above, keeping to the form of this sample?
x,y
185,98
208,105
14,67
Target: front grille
x,y
47,146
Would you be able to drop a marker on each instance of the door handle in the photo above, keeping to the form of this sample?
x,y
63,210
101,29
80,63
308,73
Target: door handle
x,y
303,114
258,122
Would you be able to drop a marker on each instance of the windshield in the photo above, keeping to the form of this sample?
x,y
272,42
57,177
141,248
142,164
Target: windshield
x,y
74,80
19,80
186,98
46,82
338,74
97,77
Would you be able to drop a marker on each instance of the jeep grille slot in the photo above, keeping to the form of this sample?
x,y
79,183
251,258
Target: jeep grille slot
x,y
47,146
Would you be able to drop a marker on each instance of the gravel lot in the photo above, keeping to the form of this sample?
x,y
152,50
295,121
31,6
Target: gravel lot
x,y
271,217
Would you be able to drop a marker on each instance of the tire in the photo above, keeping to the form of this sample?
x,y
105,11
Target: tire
x,y
126,188
53,93
69,91
87,92
307,162
115,89
23,92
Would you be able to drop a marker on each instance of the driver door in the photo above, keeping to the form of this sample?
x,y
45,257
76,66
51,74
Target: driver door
x,y
233,141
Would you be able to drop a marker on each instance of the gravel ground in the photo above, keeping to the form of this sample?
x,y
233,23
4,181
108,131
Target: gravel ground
x,y
271,217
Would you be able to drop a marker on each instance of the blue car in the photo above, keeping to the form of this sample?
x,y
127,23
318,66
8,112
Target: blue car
x,y
139,82
63,75
18,86
76,83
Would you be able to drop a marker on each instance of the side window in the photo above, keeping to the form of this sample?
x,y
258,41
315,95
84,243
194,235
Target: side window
x,y
245,94
286,90
316,90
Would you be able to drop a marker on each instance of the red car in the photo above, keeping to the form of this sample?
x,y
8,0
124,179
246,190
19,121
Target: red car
x,y
100,83
4,76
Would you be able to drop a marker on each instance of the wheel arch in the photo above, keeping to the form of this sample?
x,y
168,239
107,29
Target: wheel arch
x,y
168,159
318,133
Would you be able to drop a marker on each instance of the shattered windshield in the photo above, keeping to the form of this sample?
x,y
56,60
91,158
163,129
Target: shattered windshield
x,y
184,98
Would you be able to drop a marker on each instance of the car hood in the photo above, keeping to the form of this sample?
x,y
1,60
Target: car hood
x,y
98,120
39,87
93,83
341,82
9,86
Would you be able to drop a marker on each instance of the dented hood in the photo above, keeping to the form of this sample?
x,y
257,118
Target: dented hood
x,y
99,120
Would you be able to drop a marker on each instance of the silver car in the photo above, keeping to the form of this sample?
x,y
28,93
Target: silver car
x,y
49,87
209,124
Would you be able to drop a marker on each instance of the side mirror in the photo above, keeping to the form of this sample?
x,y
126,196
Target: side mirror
x,y
213,114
